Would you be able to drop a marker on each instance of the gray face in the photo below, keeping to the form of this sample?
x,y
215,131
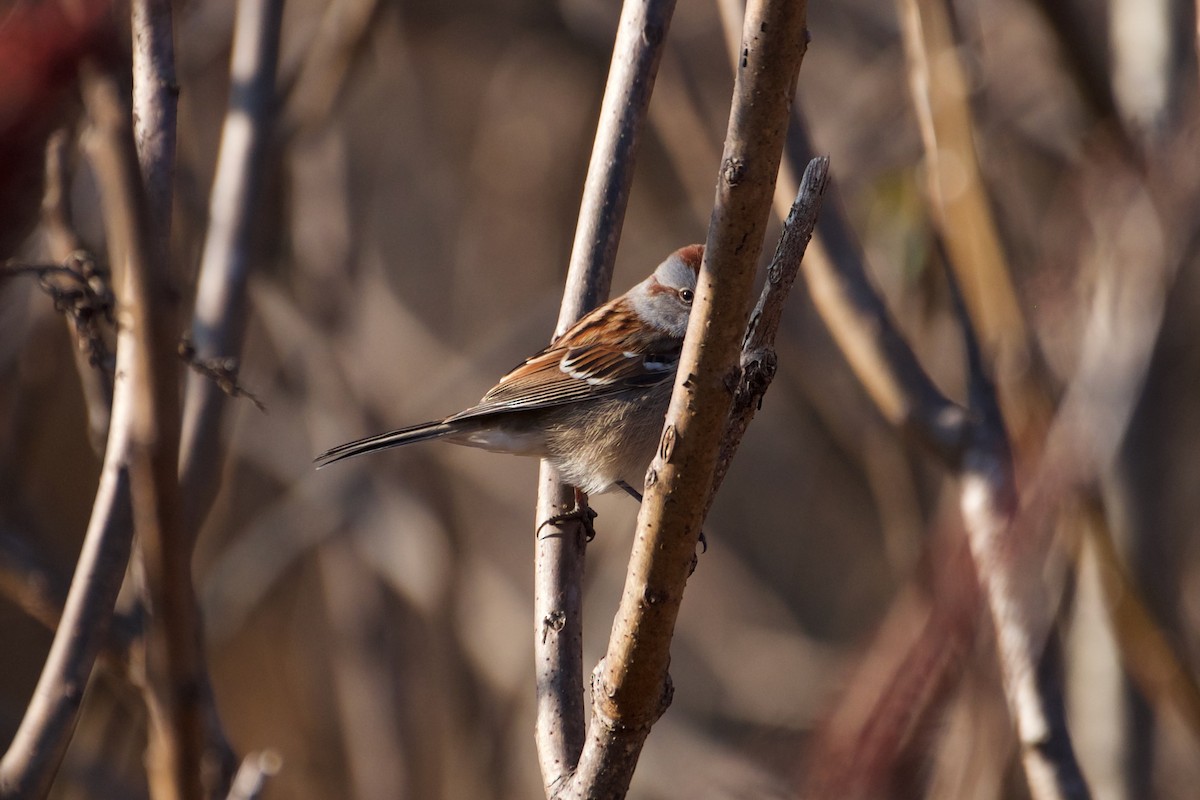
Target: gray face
x,y
664,300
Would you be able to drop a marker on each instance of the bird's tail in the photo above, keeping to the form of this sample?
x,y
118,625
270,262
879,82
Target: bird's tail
x,y
382,441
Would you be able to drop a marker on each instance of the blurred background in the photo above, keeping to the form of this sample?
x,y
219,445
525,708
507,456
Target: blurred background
x,y
371,623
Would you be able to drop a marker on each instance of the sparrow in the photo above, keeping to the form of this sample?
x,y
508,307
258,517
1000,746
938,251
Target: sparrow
x,y
593,402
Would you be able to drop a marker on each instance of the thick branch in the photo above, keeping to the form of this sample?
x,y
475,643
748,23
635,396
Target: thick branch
x,y
558,593
155,97
175,661
631,688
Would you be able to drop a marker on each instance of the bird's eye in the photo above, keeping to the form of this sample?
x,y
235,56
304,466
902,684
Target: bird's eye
x,y
687,295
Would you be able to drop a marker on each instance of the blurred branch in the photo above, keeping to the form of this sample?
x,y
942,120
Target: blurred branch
x,y
32,759
92,358
630,687
1151,661
252,776
363,683
974,444
962,214
1022,610
558,576
315,86
155,97
867,334
216,334
219,320
1021,607
1083,36
29,765
188,747
175,664
894,697
30,584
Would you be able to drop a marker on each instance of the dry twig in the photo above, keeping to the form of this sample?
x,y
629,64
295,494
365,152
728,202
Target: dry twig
x,y
758,360
93,359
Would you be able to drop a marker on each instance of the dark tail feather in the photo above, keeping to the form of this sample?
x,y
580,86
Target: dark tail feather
x,y
382,441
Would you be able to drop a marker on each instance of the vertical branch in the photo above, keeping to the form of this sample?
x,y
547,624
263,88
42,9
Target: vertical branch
x,y
631,688
558,581
155,97
174,660
219,318
185,733
64,244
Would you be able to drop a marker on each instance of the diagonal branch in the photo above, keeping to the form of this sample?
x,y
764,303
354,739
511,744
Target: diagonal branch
x,y
559,559
33,757
630,687
758,360
1020,604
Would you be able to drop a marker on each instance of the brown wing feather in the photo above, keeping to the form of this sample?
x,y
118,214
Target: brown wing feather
x,y
580,367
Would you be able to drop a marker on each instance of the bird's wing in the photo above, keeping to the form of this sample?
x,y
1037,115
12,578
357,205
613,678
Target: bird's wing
x,y
581,367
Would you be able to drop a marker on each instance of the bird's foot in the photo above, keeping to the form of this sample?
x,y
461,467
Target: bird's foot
x,y
581,512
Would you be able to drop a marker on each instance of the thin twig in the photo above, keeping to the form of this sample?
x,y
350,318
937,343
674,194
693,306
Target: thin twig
x,y
558,581
219,319
630,687
80,293
223,372
93,361
758,348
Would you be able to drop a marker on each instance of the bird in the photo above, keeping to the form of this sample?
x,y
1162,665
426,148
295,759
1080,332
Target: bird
x,y
593,402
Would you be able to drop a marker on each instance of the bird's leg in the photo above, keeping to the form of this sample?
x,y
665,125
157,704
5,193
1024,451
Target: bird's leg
x,y
581,512
629,490
636,495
